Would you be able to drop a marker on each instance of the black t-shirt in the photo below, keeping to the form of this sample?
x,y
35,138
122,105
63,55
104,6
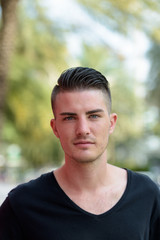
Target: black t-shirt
x,y
40,210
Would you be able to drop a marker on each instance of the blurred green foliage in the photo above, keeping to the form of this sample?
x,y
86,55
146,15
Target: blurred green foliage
x,y
38,52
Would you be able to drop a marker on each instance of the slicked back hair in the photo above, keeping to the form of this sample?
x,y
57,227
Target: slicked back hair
x,y
81,78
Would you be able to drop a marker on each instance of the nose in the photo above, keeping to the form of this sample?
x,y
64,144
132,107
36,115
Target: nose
x,y
82,127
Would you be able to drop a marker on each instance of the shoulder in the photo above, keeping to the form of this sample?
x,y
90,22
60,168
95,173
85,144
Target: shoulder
x,y
141,177
30,190
143,183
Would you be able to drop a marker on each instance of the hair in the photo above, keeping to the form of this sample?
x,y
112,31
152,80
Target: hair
x,y
81,78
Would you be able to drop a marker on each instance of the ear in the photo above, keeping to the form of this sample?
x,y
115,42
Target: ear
x,y
53,126
113,120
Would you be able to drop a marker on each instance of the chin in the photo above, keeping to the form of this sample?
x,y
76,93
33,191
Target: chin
x,y
84,159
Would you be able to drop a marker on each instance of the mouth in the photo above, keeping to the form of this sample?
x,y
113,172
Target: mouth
x,y
83,143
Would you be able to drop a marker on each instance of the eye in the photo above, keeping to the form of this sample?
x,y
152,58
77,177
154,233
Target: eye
x,y
94,116
68,118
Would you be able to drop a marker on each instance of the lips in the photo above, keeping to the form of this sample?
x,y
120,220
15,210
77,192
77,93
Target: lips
x,y
83,143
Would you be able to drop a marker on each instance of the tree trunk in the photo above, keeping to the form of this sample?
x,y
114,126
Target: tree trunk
x,y
7,34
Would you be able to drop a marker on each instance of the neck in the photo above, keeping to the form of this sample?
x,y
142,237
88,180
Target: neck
x,y
84,176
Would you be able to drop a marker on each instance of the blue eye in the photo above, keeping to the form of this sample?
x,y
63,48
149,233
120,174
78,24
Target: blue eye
x,y
94,116
69,118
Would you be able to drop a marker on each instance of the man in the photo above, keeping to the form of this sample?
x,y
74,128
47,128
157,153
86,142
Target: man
x,y
86,198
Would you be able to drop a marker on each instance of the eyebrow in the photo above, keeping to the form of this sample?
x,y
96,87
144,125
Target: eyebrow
x,y
68,113
88,112
95,111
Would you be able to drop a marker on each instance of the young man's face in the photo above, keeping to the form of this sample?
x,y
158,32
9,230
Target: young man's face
x,y
83,124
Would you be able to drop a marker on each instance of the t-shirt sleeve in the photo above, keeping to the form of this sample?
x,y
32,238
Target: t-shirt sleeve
x,y
9,226
155,220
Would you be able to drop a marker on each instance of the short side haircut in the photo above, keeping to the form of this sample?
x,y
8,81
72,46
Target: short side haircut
x,y
81,78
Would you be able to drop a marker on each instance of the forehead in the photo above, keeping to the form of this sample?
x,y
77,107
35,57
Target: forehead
x,y
80,100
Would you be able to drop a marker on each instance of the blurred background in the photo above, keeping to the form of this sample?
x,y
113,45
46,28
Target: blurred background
x,y
38,40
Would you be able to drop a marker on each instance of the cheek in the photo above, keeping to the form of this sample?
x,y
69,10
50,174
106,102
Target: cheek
x,y
102,129
65,134
64,141
104,134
